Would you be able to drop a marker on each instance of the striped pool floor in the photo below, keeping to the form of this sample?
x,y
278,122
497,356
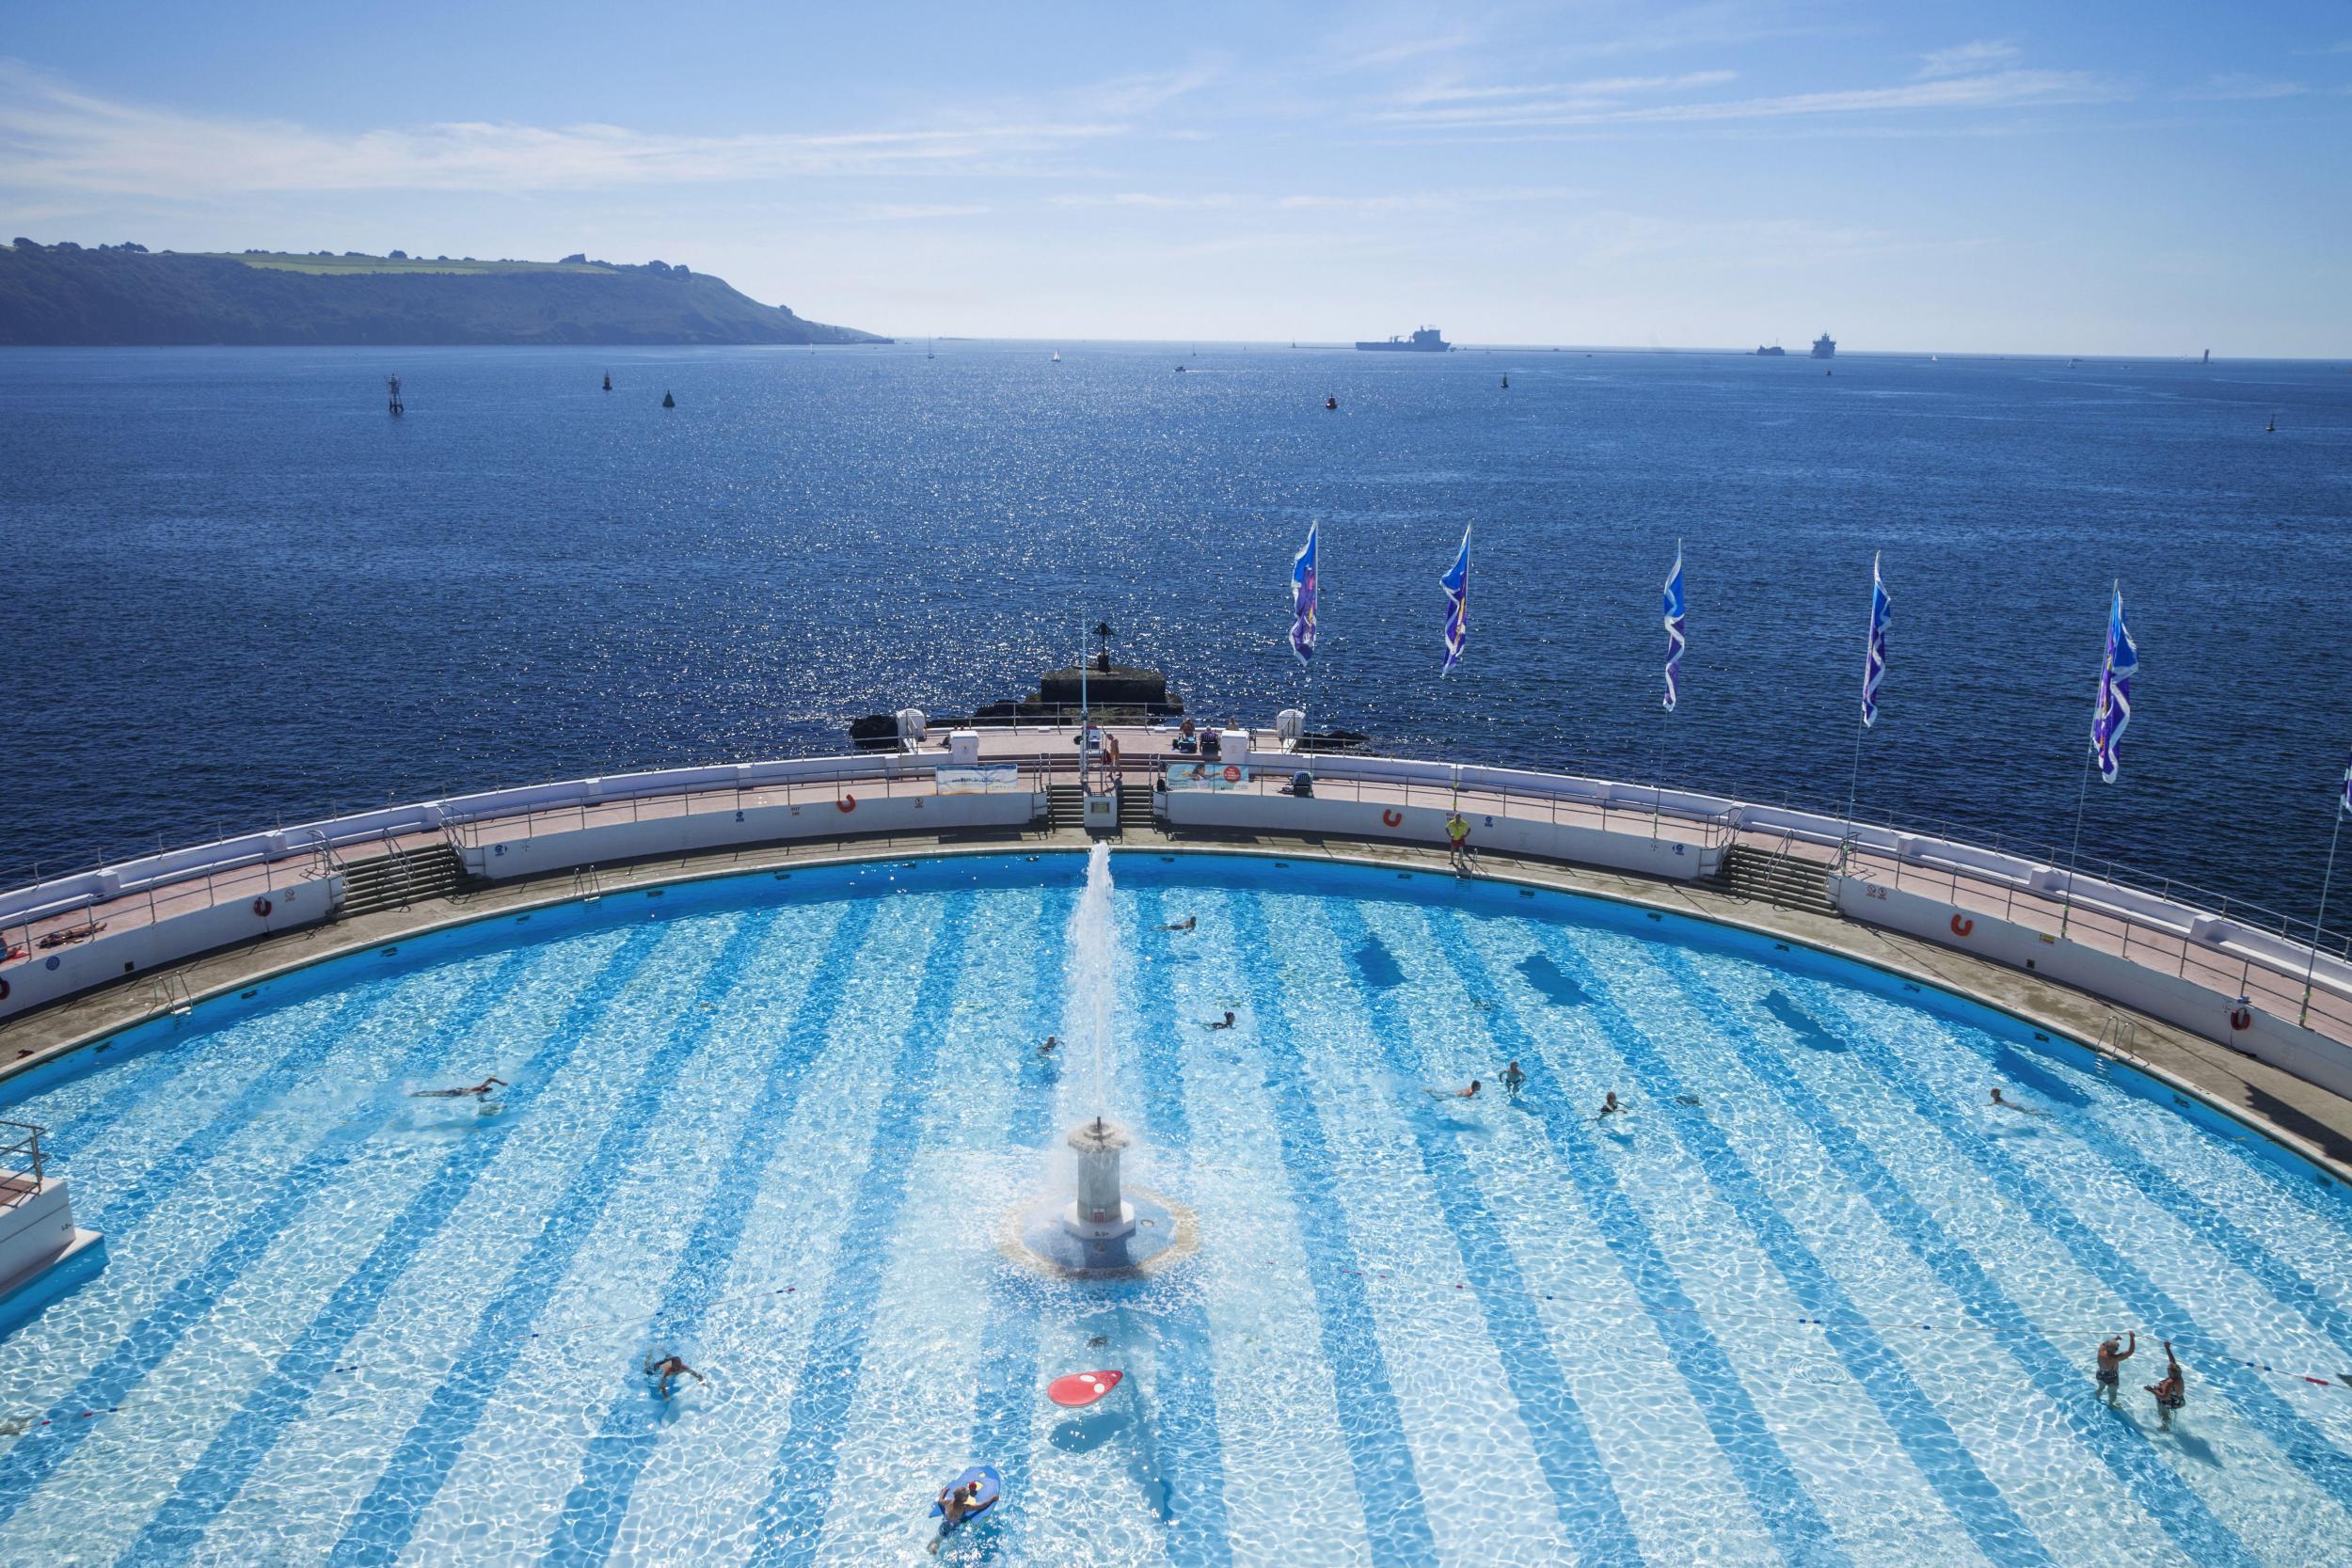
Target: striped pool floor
x,y
1811,1300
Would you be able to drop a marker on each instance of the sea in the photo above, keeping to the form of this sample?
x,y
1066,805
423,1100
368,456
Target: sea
x,y
241,593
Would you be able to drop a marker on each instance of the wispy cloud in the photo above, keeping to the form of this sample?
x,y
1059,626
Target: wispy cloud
x,y
1993,89
2234,87
910,212
1381,201
55,137
1598,89
1963,59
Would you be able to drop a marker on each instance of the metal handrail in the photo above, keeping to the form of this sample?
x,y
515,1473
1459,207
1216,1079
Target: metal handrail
x,y
19,1159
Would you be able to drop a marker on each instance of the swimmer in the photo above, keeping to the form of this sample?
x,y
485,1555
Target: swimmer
x,y
2172,1393
1053,1042
1471,1093
1184,925
1513,1078
481,1088
1609,1106
667,1368
2013,1105
1227,1023
956,1504
2111,1362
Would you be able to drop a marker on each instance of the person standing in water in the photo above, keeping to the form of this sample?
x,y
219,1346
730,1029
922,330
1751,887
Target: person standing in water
x,y
1513,1078
2111,1361
2170,1394
1609,1106
668,1368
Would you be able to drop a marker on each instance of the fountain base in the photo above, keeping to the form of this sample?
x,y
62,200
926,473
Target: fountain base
x,y
1150,1234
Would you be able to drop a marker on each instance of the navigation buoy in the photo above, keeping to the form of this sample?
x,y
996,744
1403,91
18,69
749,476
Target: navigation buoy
x,y
1080,1389
1961,924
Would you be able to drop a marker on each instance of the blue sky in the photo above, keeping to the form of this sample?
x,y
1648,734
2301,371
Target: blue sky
x,y
2087,179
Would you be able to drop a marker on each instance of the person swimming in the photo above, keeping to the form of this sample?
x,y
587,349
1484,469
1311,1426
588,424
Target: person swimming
x,y
2013,1105
1053,1043
1226,1023
1471,1093
1184,925
1513,1078
668,1369
481,1088
2111,1361
1609,1106
956,1505
2173,1392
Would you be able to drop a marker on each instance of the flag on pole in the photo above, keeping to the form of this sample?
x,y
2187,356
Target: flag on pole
x,y
1676,642
1303,599
1874,657
1456,585
2115,691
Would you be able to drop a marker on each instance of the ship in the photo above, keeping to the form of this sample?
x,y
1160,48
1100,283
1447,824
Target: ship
x,y
1424,339
1774,351
1824,347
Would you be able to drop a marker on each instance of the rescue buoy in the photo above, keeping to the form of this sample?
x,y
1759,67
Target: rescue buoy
x,y
261,906
846,803
2241,1017
1961,924
1080,1389
1392,817
3,990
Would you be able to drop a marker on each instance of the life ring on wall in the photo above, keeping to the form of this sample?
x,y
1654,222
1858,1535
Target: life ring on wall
x,y
1961,924
1392,817
3,990
1232,774
262,907
846,803
2241,1017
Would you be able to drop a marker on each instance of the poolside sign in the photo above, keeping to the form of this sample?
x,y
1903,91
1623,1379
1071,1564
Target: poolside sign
x,y
987,777
1208,775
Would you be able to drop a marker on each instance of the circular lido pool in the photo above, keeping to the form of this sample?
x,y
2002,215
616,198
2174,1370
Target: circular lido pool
x,y
1811,1299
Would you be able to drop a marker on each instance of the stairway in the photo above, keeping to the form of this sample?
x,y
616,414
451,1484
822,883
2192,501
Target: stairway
x,y
1134,806
1065,806
1783,881
404,876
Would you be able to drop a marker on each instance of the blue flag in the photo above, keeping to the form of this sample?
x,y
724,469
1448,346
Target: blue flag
x,y
1303,599
2115,691
1674,640
1456,585
1874,657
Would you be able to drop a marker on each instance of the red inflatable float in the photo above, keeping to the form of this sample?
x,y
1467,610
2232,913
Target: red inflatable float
x,y
1080,1389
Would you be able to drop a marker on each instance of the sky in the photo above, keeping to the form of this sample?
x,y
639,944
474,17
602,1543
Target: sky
x,y
2144,179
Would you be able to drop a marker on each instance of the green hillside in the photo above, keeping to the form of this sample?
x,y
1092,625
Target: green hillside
x,y
65,294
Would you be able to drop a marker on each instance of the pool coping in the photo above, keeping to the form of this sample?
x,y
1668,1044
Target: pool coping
x,y
52,1034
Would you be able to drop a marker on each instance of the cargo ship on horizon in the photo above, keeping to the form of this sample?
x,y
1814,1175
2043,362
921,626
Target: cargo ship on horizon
x,y
1824,347
1426,340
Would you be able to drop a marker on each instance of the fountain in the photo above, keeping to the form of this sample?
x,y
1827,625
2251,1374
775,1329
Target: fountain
x,y
1105,1227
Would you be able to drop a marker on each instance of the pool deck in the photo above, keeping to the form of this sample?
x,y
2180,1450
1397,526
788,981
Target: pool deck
x,y
2308,1118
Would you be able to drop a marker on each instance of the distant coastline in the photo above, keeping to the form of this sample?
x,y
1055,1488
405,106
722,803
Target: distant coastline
x,y
67,295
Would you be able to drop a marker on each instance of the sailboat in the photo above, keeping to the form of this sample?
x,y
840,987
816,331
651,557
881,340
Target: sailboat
x,y
927,348
1057,356
608,381
2272,428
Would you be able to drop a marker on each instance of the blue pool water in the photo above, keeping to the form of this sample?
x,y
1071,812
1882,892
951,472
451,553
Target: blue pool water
x,y
244,593
1811,1301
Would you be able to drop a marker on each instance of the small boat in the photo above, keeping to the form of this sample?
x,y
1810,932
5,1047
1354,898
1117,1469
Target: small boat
x,y
668,402
926,349
2272,428
1330,403
608,381
1057,356
1179,370
1506,383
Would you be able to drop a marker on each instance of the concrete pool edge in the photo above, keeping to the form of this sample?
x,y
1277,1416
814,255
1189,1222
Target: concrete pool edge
x,y
2032,1002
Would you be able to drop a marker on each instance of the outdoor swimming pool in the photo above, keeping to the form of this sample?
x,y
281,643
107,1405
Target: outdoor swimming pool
x,y
1811,1301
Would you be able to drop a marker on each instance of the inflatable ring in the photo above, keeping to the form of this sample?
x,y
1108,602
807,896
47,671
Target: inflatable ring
x,y
1232,774
2241,1017
846,803
1392,817
1961,924
3,990
262,907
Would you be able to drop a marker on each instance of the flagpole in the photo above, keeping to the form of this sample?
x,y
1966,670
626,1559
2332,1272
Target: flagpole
x,y
2319,927
2074,856
1853,789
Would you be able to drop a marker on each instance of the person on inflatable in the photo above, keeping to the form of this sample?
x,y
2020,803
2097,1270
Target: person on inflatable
x,y
956,1505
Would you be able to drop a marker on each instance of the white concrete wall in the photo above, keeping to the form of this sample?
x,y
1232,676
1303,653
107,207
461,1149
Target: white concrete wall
x,y
1248,810
125,952
2310,1056
34,1234
566,847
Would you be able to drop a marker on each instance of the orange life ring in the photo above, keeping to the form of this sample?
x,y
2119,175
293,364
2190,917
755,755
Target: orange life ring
x,y
1232,774
2241,1017
261,906
1392,817
3,990
846,803
1961,924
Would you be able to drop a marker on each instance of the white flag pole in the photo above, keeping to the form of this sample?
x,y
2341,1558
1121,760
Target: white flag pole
x,y
2319,927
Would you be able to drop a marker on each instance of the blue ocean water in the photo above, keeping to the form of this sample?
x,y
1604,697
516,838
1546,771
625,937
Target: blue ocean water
x,y
240,592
